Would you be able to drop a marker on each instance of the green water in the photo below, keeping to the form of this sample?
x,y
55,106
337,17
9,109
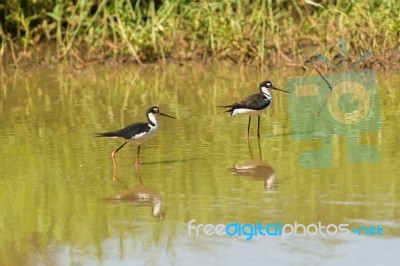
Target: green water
x,y
56,182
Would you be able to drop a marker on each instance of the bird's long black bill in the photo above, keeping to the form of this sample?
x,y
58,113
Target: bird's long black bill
x,y
167,115
280,90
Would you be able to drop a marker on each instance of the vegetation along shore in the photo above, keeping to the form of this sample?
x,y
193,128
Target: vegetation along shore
x,y
261,33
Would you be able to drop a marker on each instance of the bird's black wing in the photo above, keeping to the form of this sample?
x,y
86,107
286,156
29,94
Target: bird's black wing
x,y
256,101
127,132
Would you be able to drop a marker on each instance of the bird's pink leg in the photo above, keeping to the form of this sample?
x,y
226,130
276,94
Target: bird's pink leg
x,y
248,131
115,161
137,157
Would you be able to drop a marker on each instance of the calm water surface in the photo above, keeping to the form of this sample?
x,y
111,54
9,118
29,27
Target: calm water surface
x,y
59,206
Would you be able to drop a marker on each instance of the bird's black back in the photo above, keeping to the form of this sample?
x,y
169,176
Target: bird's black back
x,y
127,132
257,101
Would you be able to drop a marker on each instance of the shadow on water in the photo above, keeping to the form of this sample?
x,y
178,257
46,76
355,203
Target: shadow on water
x,y
140,195
171,161
256,170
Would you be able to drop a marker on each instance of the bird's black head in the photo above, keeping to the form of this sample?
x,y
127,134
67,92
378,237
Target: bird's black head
x,y
154,110
265,86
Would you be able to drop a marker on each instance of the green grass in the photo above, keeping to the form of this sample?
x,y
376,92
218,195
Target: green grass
x,y
251,32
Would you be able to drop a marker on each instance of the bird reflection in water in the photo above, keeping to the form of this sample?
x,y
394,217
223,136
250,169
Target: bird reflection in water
x,y
140,195
257,170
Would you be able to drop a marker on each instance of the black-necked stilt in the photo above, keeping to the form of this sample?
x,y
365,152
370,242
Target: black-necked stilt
x,y
137,134
254,104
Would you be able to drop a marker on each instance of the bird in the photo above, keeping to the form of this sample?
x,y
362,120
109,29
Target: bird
x,y
136,134
253,105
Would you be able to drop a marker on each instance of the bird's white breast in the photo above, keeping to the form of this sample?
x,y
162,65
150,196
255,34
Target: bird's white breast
x,y
145,136
244,111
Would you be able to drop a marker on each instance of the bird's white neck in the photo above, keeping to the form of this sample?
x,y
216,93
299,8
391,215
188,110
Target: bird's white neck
x,y
152,119
266,92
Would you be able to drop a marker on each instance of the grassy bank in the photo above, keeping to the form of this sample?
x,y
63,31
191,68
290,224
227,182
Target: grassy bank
x,y
251,32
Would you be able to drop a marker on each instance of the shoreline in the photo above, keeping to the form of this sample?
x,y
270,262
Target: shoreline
x,y
42,56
